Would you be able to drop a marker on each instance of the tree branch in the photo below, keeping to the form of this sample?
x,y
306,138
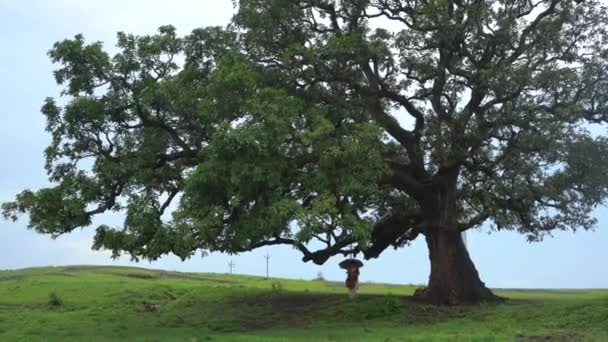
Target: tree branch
x,y
391,229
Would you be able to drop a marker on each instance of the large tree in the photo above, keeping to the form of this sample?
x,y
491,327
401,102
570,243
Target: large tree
x,y
359,124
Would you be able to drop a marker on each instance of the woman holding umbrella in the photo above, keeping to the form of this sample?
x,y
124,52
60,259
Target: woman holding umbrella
x,y
352,271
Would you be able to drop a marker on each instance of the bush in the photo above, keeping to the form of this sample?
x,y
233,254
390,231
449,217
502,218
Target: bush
x,y
277,286
55,300
392,305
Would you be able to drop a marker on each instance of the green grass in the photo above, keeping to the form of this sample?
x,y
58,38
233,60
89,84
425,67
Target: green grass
x,y
82,303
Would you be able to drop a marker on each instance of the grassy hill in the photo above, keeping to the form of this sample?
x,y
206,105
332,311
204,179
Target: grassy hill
x,y
86,303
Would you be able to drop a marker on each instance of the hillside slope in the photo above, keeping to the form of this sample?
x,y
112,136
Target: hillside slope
x,y
87,303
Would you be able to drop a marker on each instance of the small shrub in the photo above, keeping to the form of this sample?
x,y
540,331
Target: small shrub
x,y
392,305
277,286
55,300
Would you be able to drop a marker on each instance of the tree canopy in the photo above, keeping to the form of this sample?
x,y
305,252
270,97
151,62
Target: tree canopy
x,y
359,124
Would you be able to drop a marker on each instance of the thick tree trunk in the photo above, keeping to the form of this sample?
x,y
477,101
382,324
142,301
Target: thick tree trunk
x,y
454,279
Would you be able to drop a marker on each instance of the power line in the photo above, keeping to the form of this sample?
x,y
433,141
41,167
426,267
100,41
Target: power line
x,y
267,257
231,266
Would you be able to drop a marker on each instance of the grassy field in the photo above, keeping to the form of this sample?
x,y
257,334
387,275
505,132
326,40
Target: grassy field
x,y
82,303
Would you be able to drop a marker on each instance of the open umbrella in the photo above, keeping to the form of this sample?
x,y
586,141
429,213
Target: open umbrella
x,y
349,263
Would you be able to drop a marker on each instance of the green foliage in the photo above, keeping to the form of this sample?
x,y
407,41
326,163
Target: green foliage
x,y
277,287
54,300
282,128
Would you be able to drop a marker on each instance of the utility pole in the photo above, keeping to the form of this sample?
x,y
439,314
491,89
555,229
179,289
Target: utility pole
x,y
231,266
267,257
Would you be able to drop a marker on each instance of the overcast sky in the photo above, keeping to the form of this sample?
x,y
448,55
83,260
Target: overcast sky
x,y
27,31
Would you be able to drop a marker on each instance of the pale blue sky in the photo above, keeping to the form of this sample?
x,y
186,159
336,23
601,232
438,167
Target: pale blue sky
x,y
27,31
